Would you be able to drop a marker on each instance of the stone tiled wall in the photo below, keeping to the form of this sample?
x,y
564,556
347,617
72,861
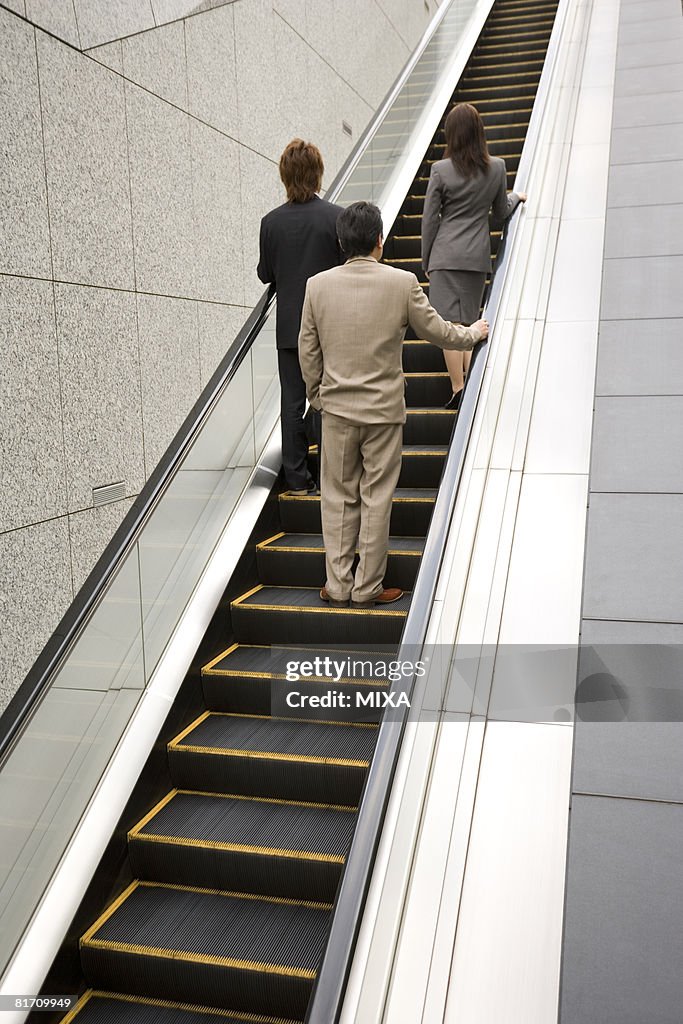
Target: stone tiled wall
x,y
139,151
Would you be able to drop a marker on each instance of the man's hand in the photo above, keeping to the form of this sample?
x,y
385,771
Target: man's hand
x,y
483,327
522,197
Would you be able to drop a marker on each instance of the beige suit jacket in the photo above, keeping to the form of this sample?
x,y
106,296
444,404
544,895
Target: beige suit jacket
x,y
352,329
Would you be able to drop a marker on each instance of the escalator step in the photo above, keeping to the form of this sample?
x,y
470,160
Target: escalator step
x,y
424,389
428,426
297,615
421,357
245,678
289,759
411,508
298,559
272,847
421,465
116,1008
242,952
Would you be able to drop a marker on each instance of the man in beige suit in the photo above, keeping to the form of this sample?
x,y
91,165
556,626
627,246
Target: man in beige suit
x,y
350,347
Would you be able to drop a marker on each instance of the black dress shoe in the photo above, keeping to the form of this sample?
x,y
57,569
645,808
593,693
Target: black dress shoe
x,y
309,492
454,401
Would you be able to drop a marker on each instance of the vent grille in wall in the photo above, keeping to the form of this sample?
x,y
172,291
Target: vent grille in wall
x,y
346,128
110,492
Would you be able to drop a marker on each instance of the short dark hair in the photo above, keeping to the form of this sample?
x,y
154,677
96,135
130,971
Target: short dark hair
x,y
301,170
358,228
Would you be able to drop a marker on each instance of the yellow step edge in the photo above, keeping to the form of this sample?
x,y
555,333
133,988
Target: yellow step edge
x,y
233,673
264,851
167,1004
493,88
151,814
183,956
326,610
483,99
542,28
430,412
505,64
271,755
321,550
266,718
313,449
210,670
286,496
534,47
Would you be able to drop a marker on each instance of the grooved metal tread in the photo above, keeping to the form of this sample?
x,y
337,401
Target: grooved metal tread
x,y
301,599
206,926
267,825
115,1008
314,541
267,661
293,738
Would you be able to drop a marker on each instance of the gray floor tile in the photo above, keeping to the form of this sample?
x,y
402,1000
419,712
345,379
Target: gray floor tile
x,y
646,184
638,444
659,108
644,10
623,943
629,718
647,287
647,144
640,357
654,29
634,553
649,55
647,81
632,759
644,231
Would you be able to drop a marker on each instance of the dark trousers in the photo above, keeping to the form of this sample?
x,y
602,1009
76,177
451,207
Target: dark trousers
x,y
297,431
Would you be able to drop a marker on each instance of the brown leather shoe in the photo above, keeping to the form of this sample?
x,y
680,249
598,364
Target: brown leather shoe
x,y
324,596
386,596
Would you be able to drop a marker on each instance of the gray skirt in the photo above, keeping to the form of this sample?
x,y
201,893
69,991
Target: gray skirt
x,y
456,294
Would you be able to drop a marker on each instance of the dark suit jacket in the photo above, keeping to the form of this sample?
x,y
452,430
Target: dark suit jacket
x,y
297,241
455,219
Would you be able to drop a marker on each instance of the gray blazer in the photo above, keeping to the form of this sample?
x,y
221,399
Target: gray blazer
x,y
351,340
455,221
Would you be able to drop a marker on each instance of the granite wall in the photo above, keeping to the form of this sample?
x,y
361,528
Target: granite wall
x,y
140,147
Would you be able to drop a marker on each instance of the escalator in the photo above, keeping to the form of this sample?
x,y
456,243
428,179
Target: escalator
x,y
236,868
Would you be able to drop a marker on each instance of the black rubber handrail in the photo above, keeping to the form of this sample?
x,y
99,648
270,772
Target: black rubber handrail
x,y
327,998
37,681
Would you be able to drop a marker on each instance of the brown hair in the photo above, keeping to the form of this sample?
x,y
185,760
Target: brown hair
x,y
465,140
301,170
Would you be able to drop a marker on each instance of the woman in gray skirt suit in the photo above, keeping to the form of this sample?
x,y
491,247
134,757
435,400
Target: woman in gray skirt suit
x,y
456,244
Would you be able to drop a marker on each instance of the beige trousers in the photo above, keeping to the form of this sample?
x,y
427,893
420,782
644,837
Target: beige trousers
x,y
359,472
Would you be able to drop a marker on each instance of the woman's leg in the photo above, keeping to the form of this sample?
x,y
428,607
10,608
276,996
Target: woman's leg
x,y
455,364
445,300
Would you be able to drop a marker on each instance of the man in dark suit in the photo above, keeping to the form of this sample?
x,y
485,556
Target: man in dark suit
x,y
298,240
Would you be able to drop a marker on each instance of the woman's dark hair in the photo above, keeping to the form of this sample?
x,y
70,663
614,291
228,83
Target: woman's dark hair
x,y
301,170
358,228
465,140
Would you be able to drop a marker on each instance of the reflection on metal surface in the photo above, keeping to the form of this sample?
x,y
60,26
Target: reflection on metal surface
x,y
506,960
